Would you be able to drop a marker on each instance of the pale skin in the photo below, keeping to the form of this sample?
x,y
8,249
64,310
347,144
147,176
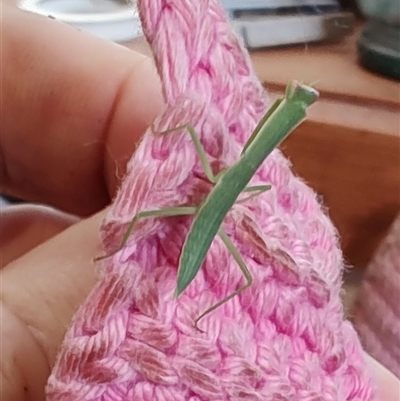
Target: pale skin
x,y
46,254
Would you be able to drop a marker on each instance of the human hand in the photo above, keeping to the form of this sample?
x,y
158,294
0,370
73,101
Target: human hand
x,y
73,109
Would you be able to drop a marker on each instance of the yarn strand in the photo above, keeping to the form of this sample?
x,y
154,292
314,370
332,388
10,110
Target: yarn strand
x,y
283,339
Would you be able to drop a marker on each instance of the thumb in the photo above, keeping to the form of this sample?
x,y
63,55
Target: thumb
x,y
40,293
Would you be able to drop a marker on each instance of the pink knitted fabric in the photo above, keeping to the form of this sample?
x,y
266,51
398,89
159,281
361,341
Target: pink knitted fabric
x,y
377,309
285,338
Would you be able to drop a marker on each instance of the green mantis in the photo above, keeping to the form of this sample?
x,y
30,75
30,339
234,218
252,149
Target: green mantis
x,y
279,121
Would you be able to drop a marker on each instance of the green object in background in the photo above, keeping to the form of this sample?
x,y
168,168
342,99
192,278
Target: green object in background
x,y
379,42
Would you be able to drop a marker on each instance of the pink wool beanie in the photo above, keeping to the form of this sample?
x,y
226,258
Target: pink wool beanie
x,y
377,309
283,339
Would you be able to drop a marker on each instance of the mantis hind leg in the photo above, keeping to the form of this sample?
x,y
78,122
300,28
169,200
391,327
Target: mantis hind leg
x,y
168,212
249,279
199,149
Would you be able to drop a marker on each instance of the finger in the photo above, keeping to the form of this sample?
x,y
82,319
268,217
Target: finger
x,y
73,109
40,293
19,350
388,383
24,227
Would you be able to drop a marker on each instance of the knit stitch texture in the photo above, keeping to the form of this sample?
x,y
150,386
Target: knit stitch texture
x,y
285,338
377,309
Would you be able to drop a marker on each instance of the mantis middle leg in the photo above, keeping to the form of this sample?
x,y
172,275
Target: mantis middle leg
x,y
168,212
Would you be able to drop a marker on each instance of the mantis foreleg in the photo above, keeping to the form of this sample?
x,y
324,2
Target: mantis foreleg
x,y
168,212
259,126
249,279
257,189
199,149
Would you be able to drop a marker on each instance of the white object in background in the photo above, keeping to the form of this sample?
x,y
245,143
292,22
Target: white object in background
x,y
268,23
3,203
260,31
273,4
114,20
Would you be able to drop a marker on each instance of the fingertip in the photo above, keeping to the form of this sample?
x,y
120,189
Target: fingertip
x,y
73,110
388,384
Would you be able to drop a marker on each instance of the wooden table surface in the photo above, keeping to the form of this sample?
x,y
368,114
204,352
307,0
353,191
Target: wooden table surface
x,y
349,149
